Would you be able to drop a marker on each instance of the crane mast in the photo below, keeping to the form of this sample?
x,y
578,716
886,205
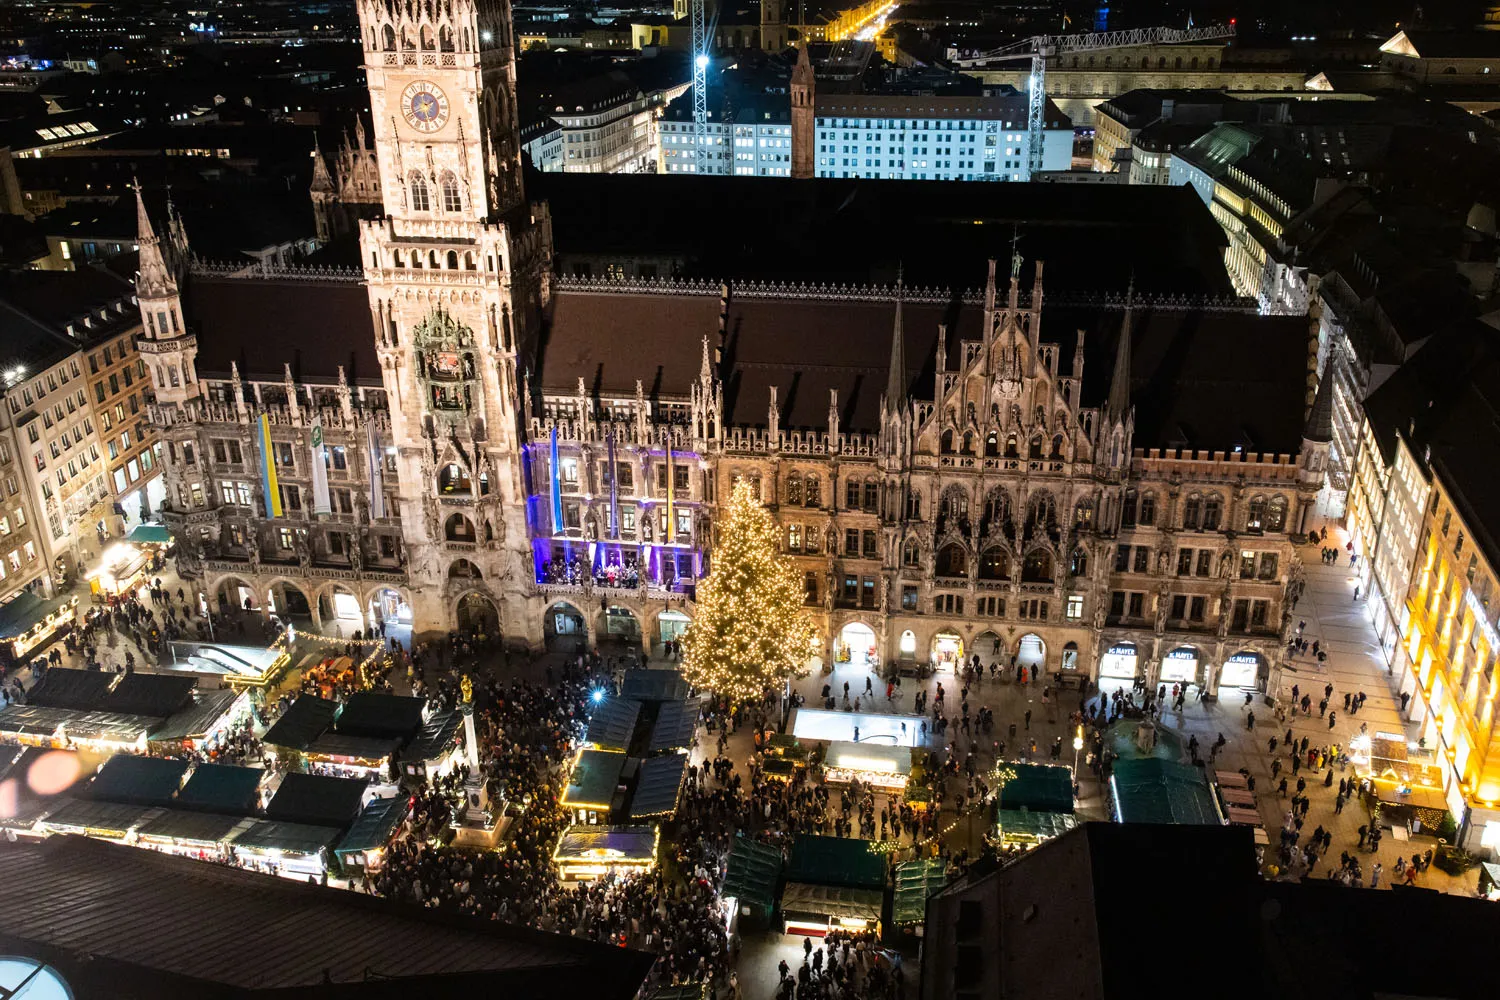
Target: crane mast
x,y
1040,48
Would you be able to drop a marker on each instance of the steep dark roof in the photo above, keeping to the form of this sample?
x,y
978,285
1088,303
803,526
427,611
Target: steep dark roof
x,y
1185,362
262,324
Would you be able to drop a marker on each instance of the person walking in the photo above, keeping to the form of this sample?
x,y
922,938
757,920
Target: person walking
x,y
1375,871
1331,717
1028,720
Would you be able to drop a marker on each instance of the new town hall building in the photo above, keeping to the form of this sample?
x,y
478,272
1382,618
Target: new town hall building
x,y
1106,487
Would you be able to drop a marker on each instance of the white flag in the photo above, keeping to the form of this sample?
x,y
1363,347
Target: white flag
x,y
319,470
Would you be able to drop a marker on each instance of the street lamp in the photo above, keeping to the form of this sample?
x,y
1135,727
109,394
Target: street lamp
x,y
1077,749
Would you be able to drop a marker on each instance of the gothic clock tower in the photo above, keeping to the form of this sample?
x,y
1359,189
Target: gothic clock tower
x,y
456,270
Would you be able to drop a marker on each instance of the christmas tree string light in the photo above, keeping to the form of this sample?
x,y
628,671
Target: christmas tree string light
x,y
749,632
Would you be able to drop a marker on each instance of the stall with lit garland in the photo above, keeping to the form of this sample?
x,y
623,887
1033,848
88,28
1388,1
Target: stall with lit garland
x,y
886,768
28,623
590,852
1406,779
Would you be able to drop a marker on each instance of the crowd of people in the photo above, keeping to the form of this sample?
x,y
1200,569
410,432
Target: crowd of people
x,y
574,571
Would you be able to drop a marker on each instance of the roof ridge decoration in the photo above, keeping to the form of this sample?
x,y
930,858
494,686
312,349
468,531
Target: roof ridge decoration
x,y
814,291
264,270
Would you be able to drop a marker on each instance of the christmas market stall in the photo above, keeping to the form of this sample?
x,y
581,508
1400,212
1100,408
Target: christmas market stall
x,y
28,623
1405,778
832,882
751,879
915,881
881,766
363,847
590,852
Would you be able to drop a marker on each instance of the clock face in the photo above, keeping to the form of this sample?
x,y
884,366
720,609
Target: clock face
x,y
424,106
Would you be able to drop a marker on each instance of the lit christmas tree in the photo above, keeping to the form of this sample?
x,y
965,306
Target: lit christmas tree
x,y
749,632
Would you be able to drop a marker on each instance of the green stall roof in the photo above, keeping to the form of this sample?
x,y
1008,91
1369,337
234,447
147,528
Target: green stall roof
x,y
1041,825
594,780
150,781
836,861
20,615
375,825
294,838
657,786
753,872
149,534
1038,787
194,827
1152,790
223,788
915,882
303,721
612,723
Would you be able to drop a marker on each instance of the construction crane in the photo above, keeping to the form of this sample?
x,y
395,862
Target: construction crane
x,y
700,88
1040,48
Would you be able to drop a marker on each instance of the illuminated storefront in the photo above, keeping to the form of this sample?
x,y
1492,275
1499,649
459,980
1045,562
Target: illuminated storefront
x,y
880,766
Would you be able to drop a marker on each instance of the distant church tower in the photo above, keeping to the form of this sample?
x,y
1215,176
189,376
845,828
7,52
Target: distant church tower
x,y
803,93
456,270
773,33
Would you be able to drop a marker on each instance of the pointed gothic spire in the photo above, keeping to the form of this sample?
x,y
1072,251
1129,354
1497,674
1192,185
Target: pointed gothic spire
x,y
895,380
1319,426
802,73
322,181
155,279
706,372
1119,386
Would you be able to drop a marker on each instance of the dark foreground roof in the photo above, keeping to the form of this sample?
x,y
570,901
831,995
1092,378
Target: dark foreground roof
x,y
121,922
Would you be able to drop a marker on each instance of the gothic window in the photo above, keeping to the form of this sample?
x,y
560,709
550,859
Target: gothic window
x,y
1079,566
945,445
1192,512
452,200
1255,519
445,39
1035,447
1276,514
911,553
428,42
453,260
1127,509
406,43
794,537
1037,567
914,505
1147,516
419,200
1010,447
794,489
1211,505
812,539
1057,446
388,38
992,445
872,495
994,564
812,492
952,561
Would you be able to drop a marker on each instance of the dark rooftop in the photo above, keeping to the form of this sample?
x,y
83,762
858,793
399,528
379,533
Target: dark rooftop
x,y
222,788
126,778
261,324
367,713
64,687
861,231
303,721
316,799
105,915
159,695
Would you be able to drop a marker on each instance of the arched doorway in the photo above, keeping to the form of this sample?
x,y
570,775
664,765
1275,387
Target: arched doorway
x,y
1180,666
388,608
234,594
947,650
563,630
989,647
1242,670
1070,656
621,625
857,645
908,645
1031,653
670,625
1120,661
338,607
477,613
288,601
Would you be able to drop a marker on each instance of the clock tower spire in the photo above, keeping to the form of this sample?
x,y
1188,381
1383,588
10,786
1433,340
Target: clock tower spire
x,y
456,272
